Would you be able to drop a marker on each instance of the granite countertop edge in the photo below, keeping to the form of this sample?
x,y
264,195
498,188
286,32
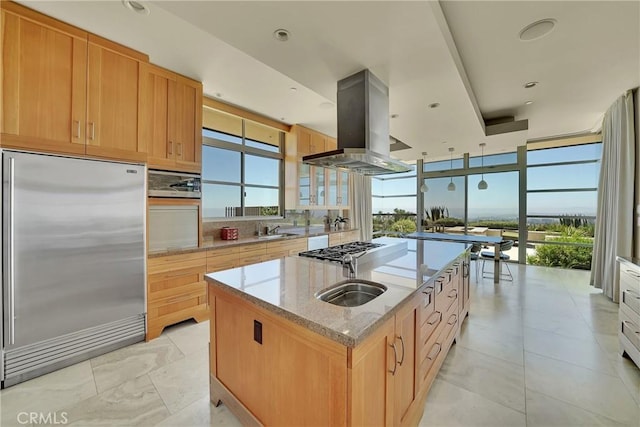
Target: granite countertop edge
x,y
301,320
217,244
309,324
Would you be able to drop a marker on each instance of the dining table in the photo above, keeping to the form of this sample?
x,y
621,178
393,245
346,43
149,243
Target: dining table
x,y
496,241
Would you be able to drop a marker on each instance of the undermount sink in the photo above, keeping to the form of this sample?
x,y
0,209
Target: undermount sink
x,y
351,293
276,236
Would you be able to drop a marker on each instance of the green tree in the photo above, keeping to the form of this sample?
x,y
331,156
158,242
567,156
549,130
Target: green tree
x,y
404,226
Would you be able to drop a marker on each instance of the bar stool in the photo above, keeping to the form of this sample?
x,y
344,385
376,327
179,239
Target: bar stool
x,y
489,255
475,254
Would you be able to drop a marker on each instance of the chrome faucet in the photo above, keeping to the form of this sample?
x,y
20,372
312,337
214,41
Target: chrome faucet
x,y
273,230
350,264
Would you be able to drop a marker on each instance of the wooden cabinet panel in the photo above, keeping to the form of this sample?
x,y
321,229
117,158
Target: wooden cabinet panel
x,y
65,90
405,333
43,84
188,124
372,382
170,119
176,291
290,362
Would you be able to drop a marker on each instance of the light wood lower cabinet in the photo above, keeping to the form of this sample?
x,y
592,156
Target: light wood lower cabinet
x,y
313,380
251,253
176,291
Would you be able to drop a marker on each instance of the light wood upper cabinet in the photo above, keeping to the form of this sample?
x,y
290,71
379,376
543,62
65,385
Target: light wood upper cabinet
x,y
64,90
44,84
170,119
112,103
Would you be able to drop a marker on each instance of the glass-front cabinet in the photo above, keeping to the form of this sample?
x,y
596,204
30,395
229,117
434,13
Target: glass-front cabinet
x,y
338,188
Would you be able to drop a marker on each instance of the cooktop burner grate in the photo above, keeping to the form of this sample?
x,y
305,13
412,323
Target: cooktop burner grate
x,y
335,253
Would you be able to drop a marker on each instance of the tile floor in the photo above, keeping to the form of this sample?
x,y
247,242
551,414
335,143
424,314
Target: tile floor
x,y
541,351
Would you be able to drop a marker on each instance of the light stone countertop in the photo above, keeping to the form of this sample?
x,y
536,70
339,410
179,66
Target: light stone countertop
x,y
219,243
631,262
287,287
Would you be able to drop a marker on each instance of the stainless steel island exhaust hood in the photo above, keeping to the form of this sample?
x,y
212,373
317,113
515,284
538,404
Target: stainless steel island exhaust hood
x,y
363,129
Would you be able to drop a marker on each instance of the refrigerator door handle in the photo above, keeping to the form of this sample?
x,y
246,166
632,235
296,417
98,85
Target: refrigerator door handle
x,y
11,257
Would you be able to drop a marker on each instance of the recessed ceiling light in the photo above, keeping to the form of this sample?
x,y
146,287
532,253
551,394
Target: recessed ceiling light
x,y
434,105
218,95
281,34
282,118
293,89
136,7
326,105
528,102
395,116
529,85
444,142
537,30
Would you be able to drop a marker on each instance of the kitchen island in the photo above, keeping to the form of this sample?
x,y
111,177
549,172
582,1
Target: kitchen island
x,y
280,356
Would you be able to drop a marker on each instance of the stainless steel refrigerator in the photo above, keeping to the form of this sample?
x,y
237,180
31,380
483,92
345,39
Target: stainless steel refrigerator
x,y
73,261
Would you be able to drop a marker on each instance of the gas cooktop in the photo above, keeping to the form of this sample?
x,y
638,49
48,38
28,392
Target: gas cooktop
x,y
336,253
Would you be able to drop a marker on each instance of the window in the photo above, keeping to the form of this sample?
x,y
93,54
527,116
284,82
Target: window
x,y
394,202
562,191
241,167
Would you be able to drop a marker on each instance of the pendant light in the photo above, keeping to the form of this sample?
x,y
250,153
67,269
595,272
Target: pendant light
x,y
482,185
451,186
423,187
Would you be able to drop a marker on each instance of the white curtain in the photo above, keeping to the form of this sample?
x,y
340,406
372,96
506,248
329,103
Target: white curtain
x,y
361,210
615,213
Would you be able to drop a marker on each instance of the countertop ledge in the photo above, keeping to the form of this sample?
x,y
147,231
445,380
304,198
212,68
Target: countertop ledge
x,y
632,262
216,244
293,283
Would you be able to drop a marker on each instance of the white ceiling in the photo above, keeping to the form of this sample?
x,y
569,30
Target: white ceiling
x,y
464,55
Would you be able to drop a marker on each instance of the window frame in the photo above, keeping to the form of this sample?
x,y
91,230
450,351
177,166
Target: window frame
x,y
245,150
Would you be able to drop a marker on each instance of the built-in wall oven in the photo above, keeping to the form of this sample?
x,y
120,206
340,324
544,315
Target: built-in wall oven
x,y
174,210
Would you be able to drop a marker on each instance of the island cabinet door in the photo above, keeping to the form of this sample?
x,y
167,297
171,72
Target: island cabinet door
x,y
405,376
280,372
372,366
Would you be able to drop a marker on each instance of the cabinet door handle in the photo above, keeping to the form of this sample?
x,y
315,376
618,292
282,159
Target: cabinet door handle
x,y
430,357
428,290
395,358
633,273
179,148
76,124
402,343
92,134
453,294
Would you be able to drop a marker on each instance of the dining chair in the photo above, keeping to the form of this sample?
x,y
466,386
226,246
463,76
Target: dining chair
x,y
489,255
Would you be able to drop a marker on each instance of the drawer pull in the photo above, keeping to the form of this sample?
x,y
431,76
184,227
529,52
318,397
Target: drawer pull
x,y
429,290
632,326
455,319
453,294
430,357
395,358
633,273
438,315
631,291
